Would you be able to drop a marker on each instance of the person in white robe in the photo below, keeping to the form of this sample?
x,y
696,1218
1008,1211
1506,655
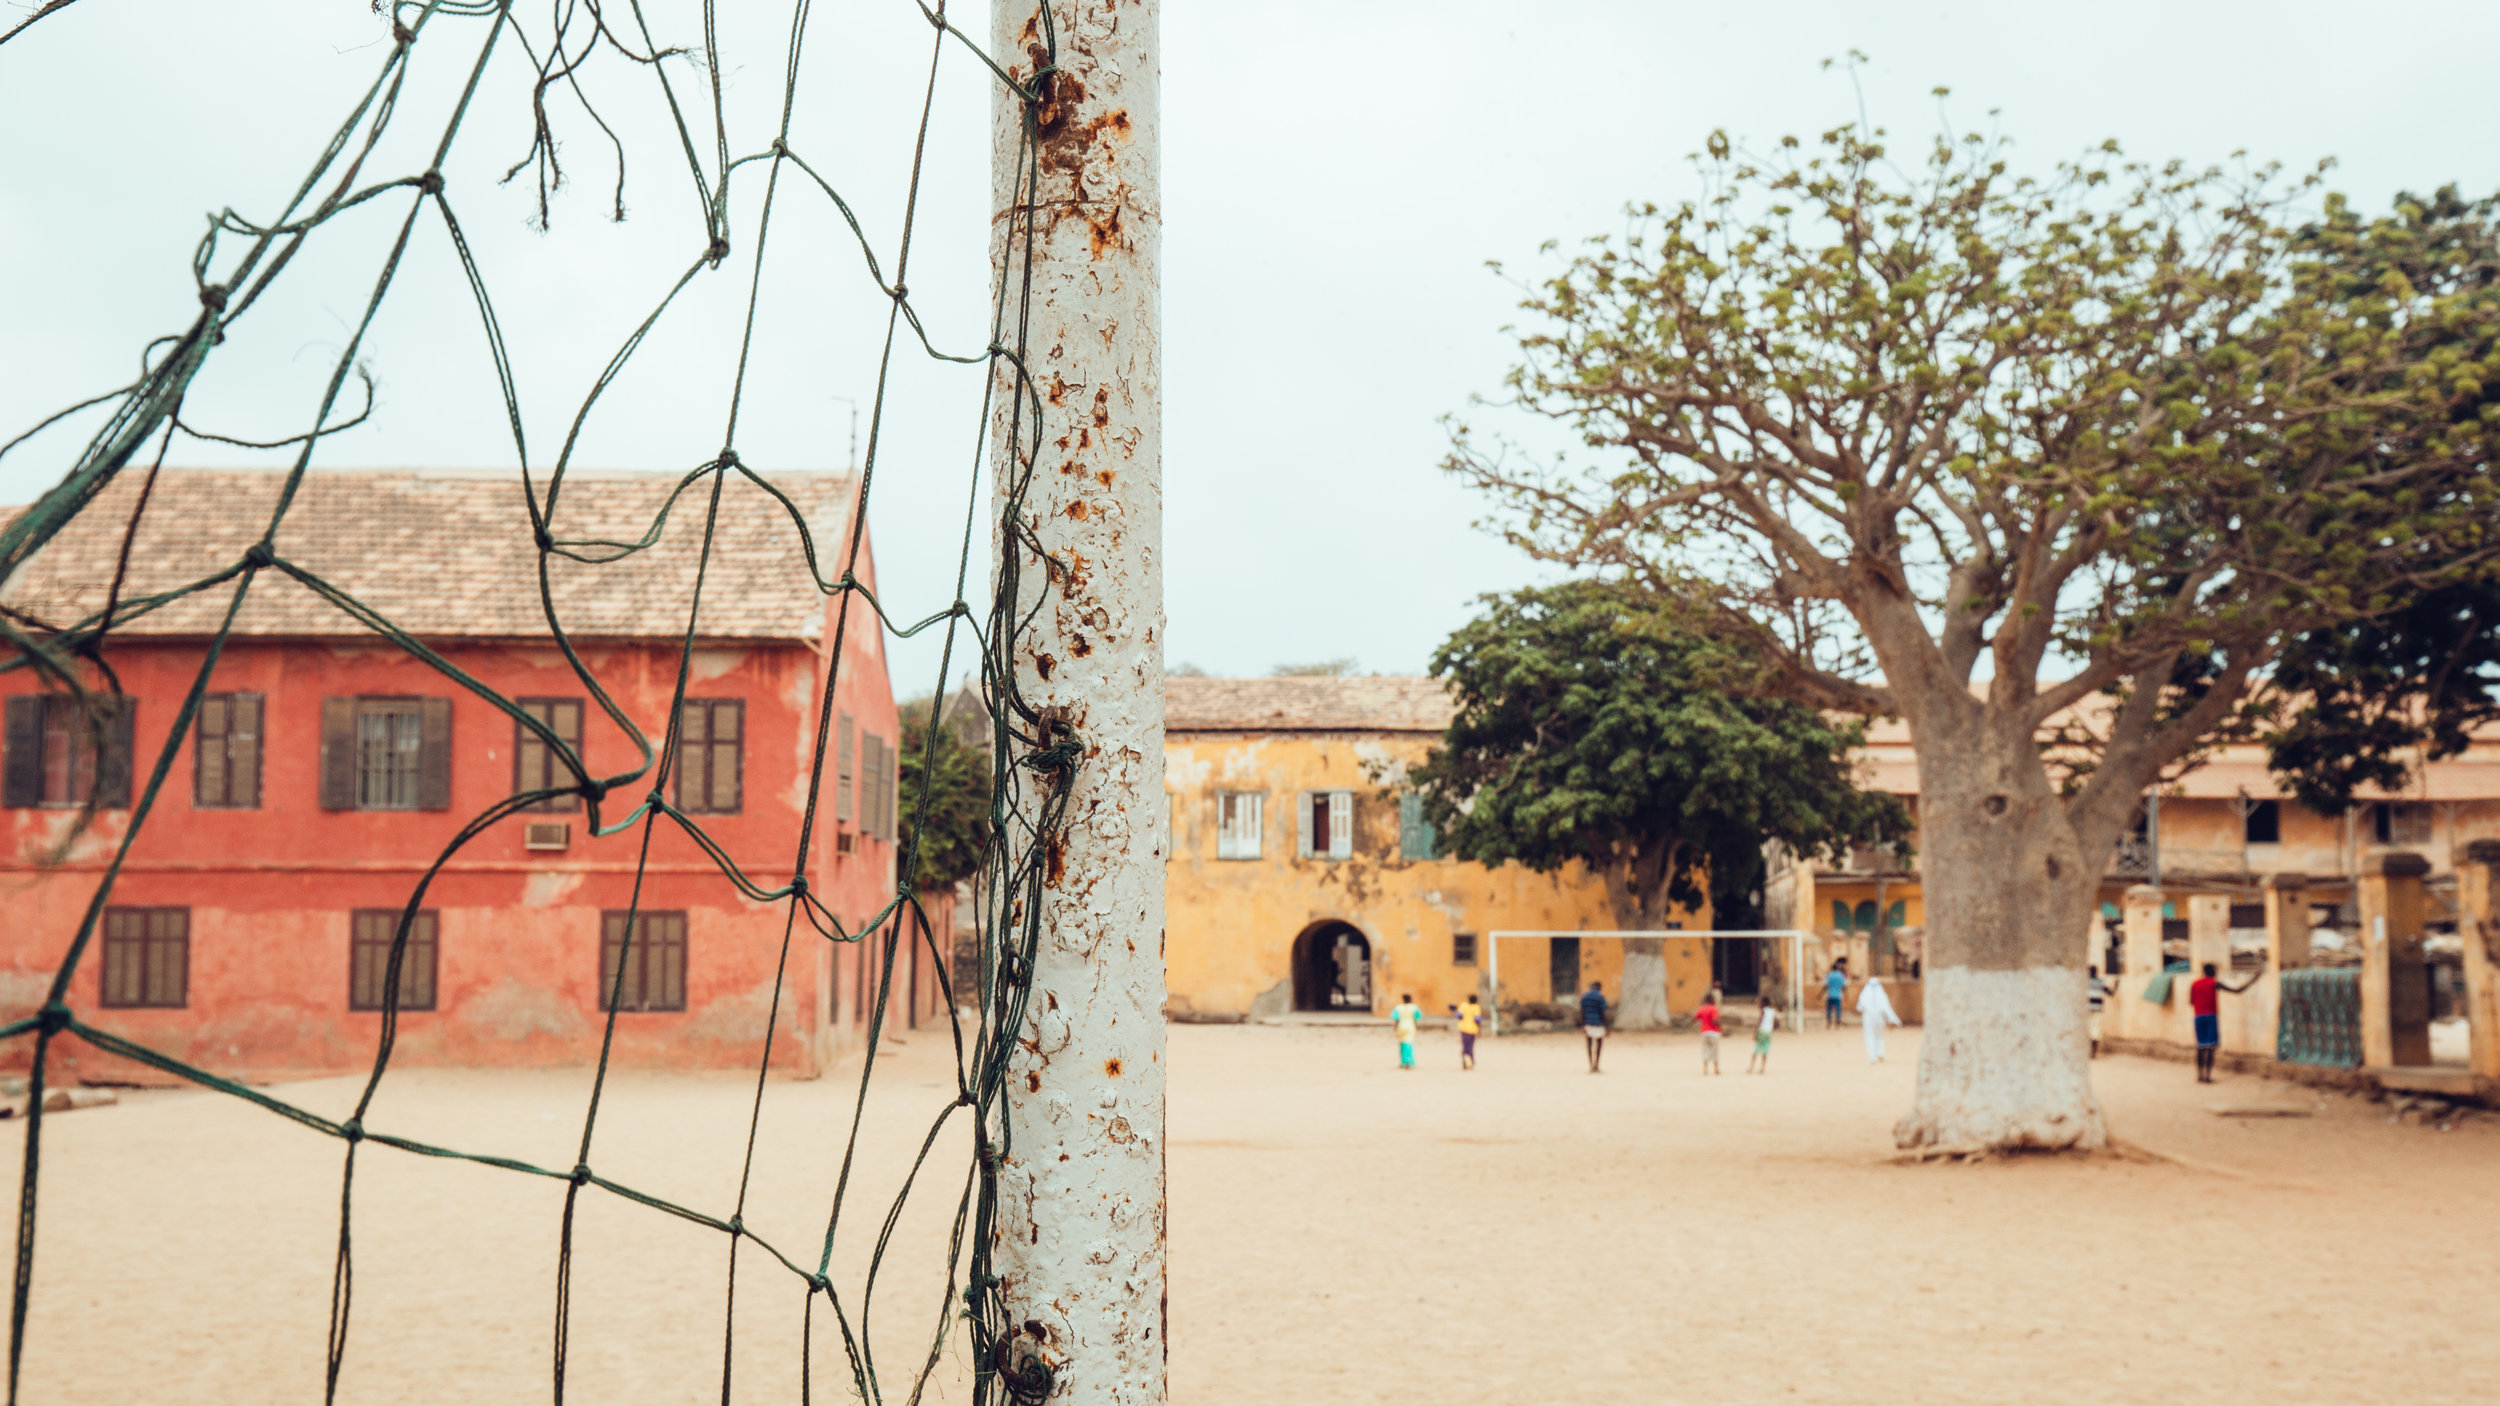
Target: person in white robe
x,y
1874,1013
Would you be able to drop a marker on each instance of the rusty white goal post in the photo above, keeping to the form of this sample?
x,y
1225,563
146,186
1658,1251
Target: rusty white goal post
x,y
1796,958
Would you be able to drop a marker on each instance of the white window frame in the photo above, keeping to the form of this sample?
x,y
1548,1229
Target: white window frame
x,y
1242,837
1340,824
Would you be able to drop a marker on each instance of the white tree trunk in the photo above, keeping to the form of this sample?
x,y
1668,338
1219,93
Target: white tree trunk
x,y
1642,1003
1080,1249
2003,1061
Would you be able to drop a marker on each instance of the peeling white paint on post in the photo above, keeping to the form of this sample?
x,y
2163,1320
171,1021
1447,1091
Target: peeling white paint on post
x,y
1081,1215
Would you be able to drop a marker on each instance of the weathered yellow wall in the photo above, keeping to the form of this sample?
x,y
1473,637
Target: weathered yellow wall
x,y
1231,924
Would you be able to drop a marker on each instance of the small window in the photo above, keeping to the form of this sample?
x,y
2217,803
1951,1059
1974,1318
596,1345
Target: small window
x,y
1327,825
2401,822
369,960
2245,916
649,973
2264,823
385,753
1462,949
1416,837
1238,826
63,754
709,731
147,957
537,766
225,754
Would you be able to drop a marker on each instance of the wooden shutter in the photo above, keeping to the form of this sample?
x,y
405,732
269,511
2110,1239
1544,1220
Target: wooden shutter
x,y
338,754
1840,914
1302,846
1341,825
842,768
893,794
24,747
112,767
434,756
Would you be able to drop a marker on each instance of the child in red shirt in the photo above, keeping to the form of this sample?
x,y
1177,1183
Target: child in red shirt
x,y
2205,1003
1706,1017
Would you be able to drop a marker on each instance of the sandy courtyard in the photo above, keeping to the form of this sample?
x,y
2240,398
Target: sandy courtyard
x,y
1341,1232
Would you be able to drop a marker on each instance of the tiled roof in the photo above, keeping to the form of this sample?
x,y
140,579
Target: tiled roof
x,y
447,554
1305,705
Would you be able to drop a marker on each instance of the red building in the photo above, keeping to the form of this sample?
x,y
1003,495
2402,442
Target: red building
x,y
327,769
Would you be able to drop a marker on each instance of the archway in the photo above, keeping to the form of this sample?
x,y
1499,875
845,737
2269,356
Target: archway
x,y
1332,968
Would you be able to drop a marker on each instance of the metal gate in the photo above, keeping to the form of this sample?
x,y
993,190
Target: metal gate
x,y
2321,1022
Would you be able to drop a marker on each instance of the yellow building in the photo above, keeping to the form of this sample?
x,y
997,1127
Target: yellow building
x,y
2197,873
1302,876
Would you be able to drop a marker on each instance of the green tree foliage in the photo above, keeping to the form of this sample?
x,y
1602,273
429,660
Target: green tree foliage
x,y
1592,727
2363,693
954,827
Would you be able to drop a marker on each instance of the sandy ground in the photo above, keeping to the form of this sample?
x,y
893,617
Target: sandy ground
x,y
1341,1232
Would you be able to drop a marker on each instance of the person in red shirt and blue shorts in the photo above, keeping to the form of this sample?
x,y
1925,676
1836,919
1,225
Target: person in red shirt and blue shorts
x,y
2205,1001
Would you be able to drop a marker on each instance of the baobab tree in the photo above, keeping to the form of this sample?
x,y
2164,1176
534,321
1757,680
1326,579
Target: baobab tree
x,y
2006,457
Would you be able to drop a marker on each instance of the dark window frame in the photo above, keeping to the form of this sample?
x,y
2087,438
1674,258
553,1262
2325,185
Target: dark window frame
x,y
535,766
2263,824
370,933
115,976
711,710
1463,949
222,743
96,773
659,942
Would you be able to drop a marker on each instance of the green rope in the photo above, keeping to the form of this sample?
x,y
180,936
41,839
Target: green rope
x,y
1030,760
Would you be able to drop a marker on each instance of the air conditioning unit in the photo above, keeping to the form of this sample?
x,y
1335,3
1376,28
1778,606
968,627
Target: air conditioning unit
x,y
547,834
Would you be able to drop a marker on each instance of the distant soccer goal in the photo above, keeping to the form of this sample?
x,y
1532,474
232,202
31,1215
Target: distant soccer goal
x,y
1795,939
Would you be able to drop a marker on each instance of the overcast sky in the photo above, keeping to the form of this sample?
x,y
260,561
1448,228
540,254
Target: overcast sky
x,y
1335,178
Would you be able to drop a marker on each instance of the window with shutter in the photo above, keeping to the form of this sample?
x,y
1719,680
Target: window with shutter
x,y
62,753
1308,815
371,933
1416,838
1341,825
539,766
147,958
709,756
225,760
21,752
842,774
389,753
872,785
647,973
1239,825
1462,949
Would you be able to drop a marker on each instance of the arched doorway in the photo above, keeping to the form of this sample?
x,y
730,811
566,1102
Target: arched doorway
x,y
1332,968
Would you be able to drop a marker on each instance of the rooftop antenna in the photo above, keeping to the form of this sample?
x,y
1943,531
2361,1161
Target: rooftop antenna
x,y
846,400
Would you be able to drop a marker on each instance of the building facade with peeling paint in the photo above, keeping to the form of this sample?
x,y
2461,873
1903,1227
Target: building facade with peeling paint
x,y
1302,877
249,929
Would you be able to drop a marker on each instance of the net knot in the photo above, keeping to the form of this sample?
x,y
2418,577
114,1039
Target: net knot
x,y
258,555
718,251
658,801
213,297
819,1284
546,540
737,1225
53,1018
353,1130
431,183
593,790
401,34
581,1174
798,886
901,293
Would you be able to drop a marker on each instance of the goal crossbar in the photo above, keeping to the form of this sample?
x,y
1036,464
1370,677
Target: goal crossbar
x,y
1795,938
